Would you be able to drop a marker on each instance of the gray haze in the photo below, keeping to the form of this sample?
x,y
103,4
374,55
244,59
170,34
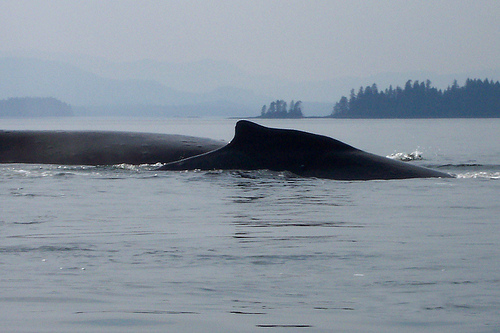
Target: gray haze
x,y
256,50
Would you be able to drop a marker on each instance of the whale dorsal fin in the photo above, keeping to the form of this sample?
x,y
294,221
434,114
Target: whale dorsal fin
x,y
248,133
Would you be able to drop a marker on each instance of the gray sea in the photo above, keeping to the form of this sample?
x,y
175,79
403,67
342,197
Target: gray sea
x,y
129,249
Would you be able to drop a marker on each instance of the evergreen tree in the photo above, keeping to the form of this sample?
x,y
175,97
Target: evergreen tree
x,y
420,100
263,110
280,109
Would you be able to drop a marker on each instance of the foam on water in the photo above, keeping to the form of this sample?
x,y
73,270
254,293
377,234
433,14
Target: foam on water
x,y
480,174
413,156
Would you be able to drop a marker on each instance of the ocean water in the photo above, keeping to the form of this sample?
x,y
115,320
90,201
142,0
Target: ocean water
x,y
126,248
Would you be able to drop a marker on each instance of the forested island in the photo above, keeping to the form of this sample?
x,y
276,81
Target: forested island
x,y
24,107
279,109
476,99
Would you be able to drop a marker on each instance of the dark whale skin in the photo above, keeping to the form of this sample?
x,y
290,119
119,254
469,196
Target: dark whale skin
x,y
256,147
99,147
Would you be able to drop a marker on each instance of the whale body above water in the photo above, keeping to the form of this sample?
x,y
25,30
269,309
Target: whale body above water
x,y
99,147
254,147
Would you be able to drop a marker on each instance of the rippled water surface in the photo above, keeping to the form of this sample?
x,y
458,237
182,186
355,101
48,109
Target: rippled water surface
x,y
127,249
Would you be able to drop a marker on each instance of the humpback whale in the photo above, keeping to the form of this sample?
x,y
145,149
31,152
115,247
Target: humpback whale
x,y
99,147
305,154
254,147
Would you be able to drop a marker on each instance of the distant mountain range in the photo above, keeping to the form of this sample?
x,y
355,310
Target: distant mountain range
x,y
95,86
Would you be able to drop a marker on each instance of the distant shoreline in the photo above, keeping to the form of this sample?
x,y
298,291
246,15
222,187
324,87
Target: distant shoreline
x,y
476,99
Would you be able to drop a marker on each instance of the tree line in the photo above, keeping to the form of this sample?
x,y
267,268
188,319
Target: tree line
x,y
280,109
476,98
20,107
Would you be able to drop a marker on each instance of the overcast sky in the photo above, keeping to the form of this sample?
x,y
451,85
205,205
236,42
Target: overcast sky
x,y
303,40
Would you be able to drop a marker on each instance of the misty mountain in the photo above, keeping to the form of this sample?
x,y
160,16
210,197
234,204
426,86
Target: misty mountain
x,y
216,88
209,75
28,77
200,76
38,78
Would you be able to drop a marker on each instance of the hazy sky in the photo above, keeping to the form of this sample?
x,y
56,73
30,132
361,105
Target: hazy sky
x,y
303,40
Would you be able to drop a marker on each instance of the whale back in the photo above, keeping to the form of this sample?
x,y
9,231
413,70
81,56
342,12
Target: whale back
x,y
98,147
256,147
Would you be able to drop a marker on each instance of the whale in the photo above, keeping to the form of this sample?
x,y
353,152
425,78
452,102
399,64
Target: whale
x,y
99,147
256,147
